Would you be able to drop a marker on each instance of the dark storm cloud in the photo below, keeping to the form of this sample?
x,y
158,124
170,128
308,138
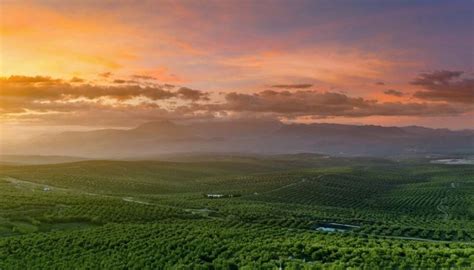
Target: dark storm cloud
x,y
393,92
445,85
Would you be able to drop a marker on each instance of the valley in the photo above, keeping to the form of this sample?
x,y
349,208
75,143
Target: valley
x,y
151,214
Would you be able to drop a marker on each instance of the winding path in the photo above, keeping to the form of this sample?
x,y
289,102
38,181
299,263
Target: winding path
x,y
442,207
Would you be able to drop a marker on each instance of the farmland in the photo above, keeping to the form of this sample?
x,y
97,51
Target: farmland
x,y
156,214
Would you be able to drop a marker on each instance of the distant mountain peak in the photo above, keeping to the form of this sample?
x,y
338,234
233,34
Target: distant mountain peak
x,y
245,136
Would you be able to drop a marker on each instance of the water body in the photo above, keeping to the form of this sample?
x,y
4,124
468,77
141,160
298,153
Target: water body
x,y
454,161
336,227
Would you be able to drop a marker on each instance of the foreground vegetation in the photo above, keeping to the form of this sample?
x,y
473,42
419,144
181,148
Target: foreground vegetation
x,y
275,211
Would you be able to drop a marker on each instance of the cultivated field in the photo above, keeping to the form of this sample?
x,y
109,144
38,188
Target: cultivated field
x,y
297,211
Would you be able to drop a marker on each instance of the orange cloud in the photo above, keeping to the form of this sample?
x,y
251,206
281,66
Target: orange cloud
x,y
162,74
330,65
46,99
223,46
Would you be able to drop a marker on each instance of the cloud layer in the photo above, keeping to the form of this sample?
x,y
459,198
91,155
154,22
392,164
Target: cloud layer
x,y
393,92
445,85
50,100
327,104
292,86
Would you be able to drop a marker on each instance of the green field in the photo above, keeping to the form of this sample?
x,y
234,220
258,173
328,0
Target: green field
x,y
297,211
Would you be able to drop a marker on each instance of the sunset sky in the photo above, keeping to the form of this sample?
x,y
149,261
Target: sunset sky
x,y
95,64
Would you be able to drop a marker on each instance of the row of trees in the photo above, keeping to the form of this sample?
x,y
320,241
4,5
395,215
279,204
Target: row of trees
x,y
213,245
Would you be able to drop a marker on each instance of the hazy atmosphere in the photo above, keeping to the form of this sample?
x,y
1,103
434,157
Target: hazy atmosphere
x,y
88,64
222,134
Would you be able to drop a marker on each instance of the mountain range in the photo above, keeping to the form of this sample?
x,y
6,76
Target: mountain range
x,y
251,137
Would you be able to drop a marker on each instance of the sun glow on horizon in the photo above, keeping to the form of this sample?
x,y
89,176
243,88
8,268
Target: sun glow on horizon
x,y
227,59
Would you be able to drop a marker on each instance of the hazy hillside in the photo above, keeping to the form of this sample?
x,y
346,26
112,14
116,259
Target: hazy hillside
x,y
23,160
255,137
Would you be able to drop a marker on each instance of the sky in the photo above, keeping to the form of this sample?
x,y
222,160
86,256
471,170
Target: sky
x,y
97,64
